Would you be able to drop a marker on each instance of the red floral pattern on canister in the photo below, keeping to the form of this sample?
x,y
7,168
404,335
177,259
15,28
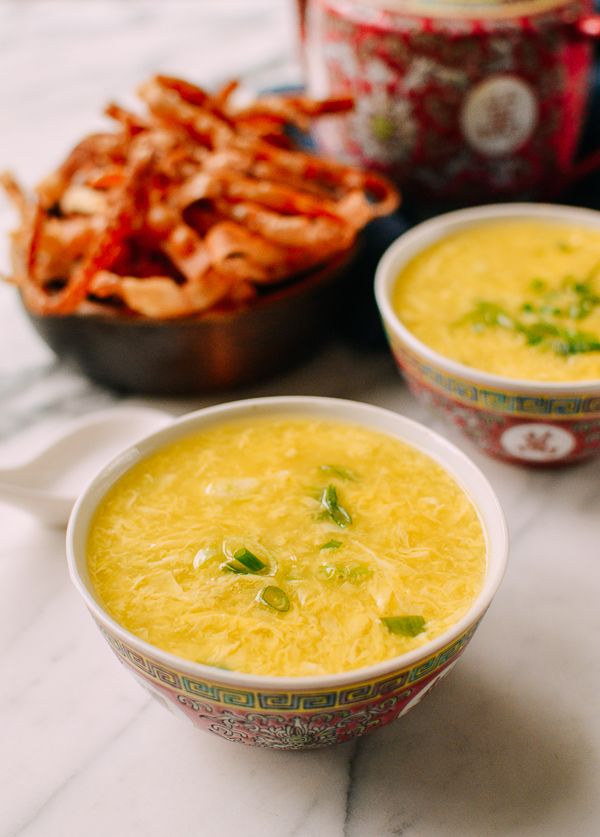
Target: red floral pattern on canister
x,y
457,109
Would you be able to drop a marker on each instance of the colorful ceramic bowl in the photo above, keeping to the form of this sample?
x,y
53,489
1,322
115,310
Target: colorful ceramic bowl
x,y
287,712
518,420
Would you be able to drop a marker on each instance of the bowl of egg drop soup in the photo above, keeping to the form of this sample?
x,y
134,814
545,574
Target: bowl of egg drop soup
x,y
289,572
493,317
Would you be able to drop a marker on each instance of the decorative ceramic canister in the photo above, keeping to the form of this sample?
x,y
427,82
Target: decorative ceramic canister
x,y
457,101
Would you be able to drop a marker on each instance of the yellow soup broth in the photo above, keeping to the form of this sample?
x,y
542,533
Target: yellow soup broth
x,y
278,546
515,298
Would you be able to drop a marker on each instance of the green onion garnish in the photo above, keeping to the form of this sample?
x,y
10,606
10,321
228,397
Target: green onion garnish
x,y
543,332
353,573
244,562
275,598
339,471
404,625
358,574
328,571
249,560
232,567
331,545
333,509
487,314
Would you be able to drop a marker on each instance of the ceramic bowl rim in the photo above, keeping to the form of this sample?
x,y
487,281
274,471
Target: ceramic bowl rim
x,y
464,471
407,245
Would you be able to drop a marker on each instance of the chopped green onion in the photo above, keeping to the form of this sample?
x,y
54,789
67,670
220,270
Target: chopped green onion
x,y
575,342
275,598
244,562
232,567
404,625
542,332
333,509
331,545
328,571
339,471
548,309
487,314
358,574
249,560
353,573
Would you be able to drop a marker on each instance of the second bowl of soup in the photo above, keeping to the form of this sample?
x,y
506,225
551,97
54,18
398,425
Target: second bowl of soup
x,y
493,316
289,572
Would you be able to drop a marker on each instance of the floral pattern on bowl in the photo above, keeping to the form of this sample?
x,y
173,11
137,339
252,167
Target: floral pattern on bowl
x,y
305,720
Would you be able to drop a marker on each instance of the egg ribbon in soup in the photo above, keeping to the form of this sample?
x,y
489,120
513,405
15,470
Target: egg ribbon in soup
x,y
287,546
514,298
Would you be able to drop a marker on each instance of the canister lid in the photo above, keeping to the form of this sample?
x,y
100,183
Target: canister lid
x,y
467,8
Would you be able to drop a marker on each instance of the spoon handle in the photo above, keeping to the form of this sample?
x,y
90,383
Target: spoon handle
x,y
51,509
81,450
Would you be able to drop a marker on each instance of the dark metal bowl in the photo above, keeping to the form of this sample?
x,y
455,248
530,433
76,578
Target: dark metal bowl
x,y
200,354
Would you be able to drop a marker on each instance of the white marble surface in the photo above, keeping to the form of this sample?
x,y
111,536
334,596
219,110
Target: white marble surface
x,y
510,745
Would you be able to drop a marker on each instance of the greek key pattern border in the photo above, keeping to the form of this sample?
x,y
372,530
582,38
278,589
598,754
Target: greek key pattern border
x,y
512,403
288,700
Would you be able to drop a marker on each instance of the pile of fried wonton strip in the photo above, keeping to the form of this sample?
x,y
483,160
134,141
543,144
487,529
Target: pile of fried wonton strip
x,y
195,206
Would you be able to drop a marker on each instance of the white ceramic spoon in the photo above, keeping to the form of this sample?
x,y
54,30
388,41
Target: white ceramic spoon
x,y
48,485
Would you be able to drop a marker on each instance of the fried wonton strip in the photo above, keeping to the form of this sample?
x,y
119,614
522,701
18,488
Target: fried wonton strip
x,y
82,200
36,227
301,163
166,104
292,110
236,187
20,239
119,224
224,94
324,234
61,243
161,298
16,194
189,92
133,123
186,250
93,152
199,98
107,178
238,253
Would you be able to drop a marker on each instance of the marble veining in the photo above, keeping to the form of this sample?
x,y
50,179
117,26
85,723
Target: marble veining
x,y
509,745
